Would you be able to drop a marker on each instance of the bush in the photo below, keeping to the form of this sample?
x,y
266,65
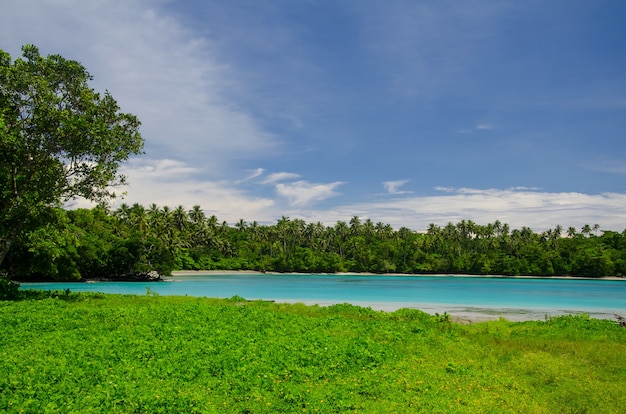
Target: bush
x,y
9,290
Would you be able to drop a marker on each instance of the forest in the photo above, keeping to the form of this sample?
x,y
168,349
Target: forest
x,y
134,241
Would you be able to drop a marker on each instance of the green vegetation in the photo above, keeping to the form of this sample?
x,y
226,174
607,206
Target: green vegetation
x,y
77,352
98,242
59,139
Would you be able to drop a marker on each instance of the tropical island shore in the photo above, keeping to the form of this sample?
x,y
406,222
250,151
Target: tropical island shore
x,y
457,313
234,272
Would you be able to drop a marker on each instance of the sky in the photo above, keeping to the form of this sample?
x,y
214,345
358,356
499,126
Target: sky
x,y
405,112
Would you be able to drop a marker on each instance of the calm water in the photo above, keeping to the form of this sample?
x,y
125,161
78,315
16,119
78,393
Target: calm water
x,y
469,297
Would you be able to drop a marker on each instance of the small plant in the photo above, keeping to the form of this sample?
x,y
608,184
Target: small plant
x,y
445,318
237,299
150,292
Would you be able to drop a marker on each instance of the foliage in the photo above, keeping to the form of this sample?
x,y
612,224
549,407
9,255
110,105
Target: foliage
x,y
9,290
98,242
112,353
59,139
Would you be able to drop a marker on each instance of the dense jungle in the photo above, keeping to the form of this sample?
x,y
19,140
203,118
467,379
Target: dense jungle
x,y
132,241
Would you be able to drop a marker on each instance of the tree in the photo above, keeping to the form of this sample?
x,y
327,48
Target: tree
x,y
59,139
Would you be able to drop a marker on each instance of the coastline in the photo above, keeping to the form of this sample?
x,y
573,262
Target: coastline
x,y
460,312
176,273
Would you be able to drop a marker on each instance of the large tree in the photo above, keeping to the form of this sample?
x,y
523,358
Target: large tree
x,y
59,139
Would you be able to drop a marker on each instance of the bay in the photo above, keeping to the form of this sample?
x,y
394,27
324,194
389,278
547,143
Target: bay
x,y
463,297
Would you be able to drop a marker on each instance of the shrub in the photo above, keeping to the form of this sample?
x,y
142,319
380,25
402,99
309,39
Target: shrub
x,y
9,290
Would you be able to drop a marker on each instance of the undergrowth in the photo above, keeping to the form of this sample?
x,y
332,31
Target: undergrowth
x,y
84,352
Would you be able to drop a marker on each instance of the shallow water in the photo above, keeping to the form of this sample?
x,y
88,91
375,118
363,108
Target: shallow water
x,y
471,298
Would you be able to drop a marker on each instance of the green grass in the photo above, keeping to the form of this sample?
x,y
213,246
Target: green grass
x,y
77,352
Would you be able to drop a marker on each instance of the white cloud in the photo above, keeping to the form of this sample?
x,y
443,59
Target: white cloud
x,y
392,187
254,174
606,166
484,127
281,176
301,193
535,209
173,184
479,127
155,68
161,169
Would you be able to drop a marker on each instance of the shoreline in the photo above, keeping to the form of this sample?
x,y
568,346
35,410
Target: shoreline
x,y
177,273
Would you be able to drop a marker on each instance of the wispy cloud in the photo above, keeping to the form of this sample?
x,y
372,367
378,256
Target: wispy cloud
x,y
430,50
174,81
254,174
535,209
161,169
393,187
606,166
280,176
302,193
176,183
477,128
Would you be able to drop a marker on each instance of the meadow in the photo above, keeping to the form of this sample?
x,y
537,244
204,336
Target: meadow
x,y
90,353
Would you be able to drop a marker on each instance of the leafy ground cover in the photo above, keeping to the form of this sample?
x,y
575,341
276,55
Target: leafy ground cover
x,y
76,352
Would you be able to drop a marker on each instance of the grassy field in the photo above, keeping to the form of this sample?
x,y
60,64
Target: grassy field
x,y
77,352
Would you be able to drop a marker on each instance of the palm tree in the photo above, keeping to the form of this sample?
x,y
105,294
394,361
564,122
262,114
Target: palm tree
x,y
123,213
241,225
586,230
196,215
138,217
180,218
558,230
368,230
341,236
254,230
497,228
595,229
212,222
571,232
355,226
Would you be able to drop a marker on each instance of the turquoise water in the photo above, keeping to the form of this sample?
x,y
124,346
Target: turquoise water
x,y
469,297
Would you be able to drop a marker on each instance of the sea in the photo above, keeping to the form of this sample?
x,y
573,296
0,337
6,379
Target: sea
x,y
462,297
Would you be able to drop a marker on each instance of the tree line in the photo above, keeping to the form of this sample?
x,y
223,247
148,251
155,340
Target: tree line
x,y
131,241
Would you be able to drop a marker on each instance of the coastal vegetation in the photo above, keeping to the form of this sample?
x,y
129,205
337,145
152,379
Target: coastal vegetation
x,y
79,352
134,240
59,140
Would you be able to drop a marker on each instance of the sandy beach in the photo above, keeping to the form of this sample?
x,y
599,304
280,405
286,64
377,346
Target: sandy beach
x,y
234,272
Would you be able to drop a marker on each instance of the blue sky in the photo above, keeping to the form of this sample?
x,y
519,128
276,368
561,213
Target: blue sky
x,y
405,112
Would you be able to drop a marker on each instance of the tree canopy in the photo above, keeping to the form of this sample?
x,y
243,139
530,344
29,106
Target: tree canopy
x,y
132,240
59,140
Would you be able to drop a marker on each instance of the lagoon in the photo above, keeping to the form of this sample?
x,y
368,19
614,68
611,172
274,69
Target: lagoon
x,y
463,297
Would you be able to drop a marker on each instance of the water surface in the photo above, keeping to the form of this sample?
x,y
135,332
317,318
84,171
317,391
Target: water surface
x,y
462,297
